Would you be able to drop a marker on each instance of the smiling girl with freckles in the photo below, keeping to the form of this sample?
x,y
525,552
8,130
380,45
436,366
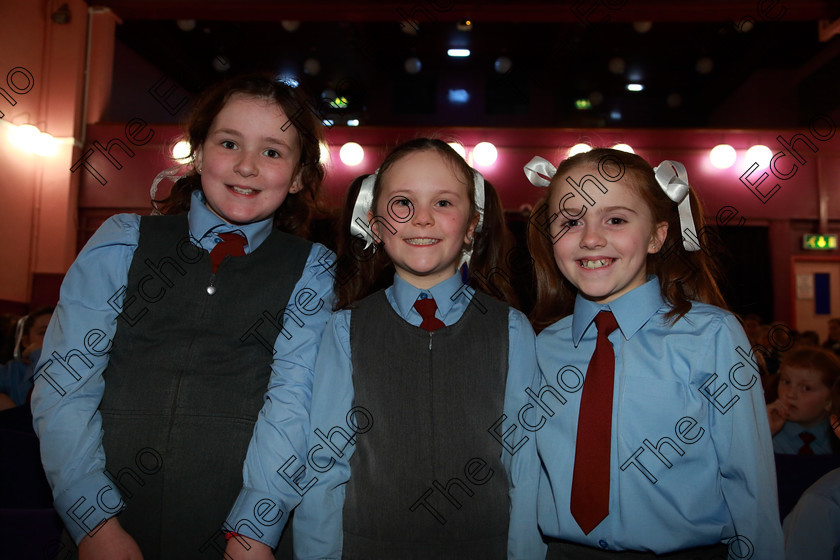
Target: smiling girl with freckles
x,y
624,274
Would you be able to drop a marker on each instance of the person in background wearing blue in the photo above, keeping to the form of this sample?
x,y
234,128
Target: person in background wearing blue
x,y
417,386
812,529
799,419
658,446
16,375
183,345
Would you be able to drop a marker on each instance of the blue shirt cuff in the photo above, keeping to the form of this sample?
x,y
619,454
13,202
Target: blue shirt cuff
x,y
90,501
257,515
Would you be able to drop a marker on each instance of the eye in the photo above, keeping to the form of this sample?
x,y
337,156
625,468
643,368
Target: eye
x,y
806,388
616,221
272,153
444,203
228,144
571,223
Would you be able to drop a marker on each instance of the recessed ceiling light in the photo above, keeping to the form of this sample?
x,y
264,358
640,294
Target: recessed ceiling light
x,y
458,53
635,87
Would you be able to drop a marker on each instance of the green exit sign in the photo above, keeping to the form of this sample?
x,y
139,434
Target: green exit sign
x,y
816,242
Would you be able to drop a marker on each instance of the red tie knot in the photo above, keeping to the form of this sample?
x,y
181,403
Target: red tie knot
x,y
605,322
426,308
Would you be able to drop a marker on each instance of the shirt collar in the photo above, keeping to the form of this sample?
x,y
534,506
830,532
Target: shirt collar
x,y
632,310
405,294
204,222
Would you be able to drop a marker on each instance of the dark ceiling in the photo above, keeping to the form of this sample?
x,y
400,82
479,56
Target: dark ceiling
x,y
758,64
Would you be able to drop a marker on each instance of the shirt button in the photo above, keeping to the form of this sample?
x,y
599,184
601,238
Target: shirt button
x,y
603,544
423,295
217,240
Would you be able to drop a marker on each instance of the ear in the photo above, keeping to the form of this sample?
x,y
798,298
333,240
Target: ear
x,y
470,234
835,424
657,238
198,160
296,186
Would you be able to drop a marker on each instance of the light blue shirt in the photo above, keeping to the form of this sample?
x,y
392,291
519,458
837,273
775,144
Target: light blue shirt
x,y
65,407
787,440
691,458
318,519
812,529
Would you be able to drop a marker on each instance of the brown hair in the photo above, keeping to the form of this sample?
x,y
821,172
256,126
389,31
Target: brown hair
x,y
294,214
683,275
360,272
817,359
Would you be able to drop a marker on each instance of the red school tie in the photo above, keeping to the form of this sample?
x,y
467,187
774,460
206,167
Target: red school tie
x,y
426,308
590,499
808,438
231,245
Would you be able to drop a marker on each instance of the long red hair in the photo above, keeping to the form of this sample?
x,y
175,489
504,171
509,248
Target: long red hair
x,y
683,275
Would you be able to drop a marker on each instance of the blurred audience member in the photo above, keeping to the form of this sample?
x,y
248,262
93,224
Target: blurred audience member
x,y
16,375
812,530
799,418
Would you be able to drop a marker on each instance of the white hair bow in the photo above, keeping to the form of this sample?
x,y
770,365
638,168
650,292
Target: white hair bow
x,y
673,179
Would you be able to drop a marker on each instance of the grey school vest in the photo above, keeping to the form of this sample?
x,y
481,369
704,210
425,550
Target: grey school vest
x,y
426,479
186,379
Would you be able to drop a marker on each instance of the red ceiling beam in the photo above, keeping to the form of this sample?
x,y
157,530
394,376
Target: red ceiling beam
x,y
592,11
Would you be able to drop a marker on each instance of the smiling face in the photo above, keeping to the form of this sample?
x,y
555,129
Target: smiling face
x,y
602,249
248,161
807,397
428,206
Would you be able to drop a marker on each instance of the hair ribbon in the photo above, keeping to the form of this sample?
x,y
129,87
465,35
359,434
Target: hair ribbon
x,y
673,179
540,171
173,173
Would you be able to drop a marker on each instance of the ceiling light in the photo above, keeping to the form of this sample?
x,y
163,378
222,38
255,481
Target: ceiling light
x,y
351,154
352,122
624,148
759,154
503,65
635,87
485,154
459,96
413,65
181,151
723,156
579,149
458,53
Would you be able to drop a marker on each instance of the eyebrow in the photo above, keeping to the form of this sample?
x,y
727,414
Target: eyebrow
x,y
232,132
614,208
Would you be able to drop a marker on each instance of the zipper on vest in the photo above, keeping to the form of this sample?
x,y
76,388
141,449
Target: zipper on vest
x,y
211,289
431,334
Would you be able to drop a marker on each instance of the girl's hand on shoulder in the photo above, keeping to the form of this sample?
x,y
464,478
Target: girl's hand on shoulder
x,y
257,550
110,542
777,414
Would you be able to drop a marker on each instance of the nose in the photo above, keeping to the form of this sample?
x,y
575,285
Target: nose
x,y
592,237
246,164
422,216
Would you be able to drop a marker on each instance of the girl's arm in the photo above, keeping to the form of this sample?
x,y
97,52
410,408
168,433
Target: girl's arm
x,y
523,465
68,380
741,437
318,528
273,474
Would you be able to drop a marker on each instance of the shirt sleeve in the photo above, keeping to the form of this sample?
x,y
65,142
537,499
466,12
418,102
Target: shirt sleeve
x,y
741,438
519,450
68,378
811,529
274,465
318,528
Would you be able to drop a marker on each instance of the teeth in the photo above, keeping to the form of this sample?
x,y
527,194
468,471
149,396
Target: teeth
x,y
421,241
594,264
240,190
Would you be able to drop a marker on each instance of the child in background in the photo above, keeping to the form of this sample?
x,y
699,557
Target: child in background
x,y
410,380
812,529
16,376
799,419
657,443
183,341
